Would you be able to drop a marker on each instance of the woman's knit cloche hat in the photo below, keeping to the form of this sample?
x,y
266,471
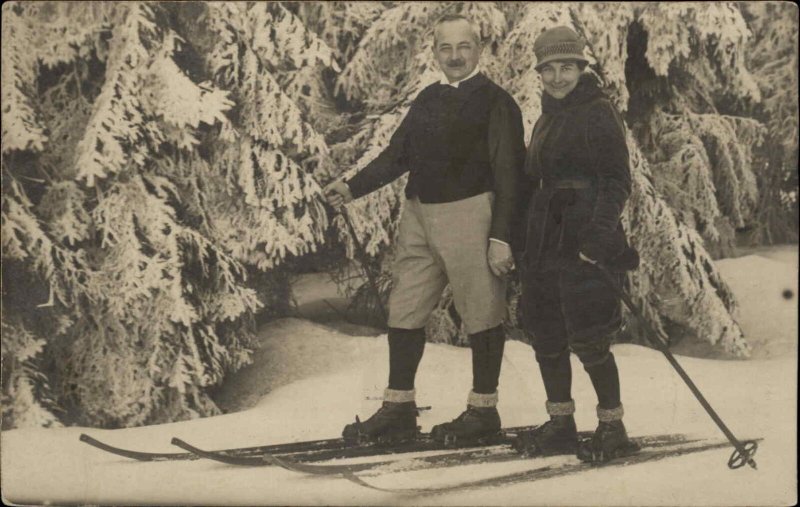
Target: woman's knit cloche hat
x,y
559,43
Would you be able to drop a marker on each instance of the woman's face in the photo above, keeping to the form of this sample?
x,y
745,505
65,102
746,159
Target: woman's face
x,y
560,77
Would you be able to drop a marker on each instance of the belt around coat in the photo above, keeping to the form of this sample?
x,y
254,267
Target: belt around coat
x,y
565,184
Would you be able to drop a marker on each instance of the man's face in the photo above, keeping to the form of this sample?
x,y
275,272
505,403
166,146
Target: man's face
x,y
456,49
560,77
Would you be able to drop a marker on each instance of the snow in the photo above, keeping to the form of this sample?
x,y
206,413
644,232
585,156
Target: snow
x,y
319,378
768,318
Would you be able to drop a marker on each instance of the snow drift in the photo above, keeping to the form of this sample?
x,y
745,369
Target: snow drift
x,y
326,378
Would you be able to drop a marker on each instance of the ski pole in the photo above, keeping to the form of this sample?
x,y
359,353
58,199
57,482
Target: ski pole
x,y
744,451
362,252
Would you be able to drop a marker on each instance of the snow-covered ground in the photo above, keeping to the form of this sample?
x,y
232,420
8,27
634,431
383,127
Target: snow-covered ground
x,y
326,377
766,285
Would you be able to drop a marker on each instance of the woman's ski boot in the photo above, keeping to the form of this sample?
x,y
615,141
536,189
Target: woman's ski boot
x,y
609,441
559,435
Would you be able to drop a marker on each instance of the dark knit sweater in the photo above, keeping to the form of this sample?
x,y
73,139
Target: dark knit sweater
x,y
456,143
580,137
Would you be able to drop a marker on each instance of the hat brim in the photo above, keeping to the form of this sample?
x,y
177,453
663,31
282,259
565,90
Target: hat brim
x,y
560,56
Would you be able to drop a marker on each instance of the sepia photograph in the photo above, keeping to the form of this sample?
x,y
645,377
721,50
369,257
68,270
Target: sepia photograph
x,y
404,253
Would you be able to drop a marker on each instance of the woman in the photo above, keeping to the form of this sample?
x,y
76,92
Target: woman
x,y
577,162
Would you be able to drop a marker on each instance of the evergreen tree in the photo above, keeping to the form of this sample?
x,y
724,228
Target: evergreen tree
x,y
772,56
678,129
140,183
162,161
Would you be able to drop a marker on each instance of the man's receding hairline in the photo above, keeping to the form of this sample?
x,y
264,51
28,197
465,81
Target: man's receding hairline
x,y
454,18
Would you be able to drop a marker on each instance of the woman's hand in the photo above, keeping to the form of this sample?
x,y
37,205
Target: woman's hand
x,y
586,259
500,259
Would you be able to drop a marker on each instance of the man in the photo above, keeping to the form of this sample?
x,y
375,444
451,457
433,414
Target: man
x,y
462,142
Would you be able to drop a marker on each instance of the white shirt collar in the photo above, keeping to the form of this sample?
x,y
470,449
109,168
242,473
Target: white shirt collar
x,y
455,84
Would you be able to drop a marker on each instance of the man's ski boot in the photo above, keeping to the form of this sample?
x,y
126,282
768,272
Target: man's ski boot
x,y
393,423
609,441
476,425
559,435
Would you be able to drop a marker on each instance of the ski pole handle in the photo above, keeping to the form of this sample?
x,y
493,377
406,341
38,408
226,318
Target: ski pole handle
x,y
744,452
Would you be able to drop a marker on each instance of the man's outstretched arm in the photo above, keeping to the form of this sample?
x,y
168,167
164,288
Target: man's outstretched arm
x,y
386,167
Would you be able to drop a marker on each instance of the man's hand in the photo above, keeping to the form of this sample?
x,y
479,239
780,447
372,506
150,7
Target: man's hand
x,y
500,259
337,194
586,259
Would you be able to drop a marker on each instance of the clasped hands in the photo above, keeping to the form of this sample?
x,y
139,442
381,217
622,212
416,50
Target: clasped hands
x,y
501,261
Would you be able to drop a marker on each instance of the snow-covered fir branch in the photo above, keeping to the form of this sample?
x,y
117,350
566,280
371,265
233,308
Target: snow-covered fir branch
x,y
144,190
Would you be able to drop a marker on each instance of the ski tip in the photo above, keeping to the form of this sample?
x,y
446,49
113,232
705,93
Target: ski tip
x,y
176,441
84,437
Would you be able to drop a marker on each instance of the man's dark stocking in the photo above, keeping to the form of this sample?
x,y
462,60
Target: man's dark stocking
x,y
405,352
487,357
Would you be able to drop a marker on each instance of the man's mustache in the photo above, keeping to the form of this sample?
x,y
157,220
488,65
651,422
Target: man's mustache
x,y
455,63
